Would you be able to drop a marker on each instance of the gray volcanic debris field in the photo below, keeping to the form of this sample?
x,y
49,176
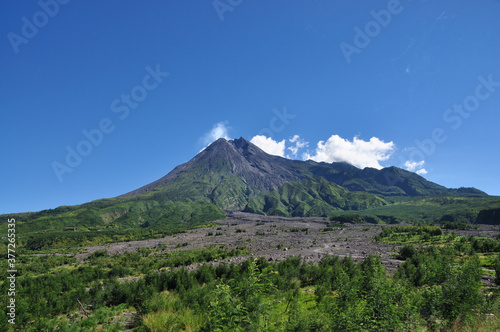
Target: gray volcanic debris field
x,y
276,238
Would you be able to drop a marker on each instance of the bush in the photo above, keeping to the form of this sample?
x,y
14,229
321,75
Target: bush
x,y
408,251
456,225
349,218
401,233
425,267
98,254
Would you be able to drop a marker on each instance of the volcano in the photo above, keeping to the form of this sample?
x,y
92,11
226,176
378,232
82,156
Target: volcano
x,y
233,173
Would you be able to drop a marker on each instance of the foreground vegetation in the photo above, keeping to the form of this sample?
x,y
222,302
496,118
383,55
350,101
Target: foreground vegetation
x,y
437,288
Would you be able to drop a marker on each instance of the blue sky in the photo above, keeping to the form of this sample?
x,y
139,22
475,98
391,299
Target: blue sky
x,y
101,97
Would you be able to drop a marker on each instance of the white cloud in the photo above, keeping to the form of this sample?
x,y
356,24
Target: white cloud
x,y
269,145
413,165
299,144
219,130
416,166
359,153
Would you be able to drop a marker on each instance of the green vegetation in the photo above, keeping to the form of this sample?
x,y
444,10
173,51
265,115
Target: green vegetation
x,y
117,214
489,216
318,197
437,287
456,225
355,219
311,197
451,212
432,290
427,235
410,234
107,221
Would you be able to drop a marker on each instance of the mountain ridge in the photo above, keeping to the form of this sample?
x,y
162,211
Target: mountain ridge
x,y
244,165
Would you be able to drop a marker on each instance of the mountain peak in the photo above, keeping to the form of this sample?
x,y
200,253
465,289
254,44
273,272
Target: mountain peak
x,y
220,140
225,148
240,142
239,160
217,144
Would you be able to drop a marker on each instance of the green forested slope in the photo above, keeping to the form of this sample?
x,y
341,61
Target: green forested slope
x,y
312,197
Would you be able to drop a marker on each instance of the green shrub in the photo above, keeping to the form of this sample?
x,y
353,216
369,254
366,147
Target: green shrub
x,y
407,251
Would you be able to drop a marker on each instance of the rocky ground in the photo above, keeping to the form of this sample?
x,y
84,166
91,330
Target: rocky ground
x,y
276,238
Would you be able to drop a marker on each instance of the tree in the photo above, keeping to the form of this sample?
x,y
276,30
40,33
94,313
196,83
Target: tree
x,y
239,304
496,266
461,291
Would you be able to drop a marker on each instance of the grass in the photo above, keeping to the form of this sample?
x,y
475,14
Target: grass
x,y
487,259
163,314
489,272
